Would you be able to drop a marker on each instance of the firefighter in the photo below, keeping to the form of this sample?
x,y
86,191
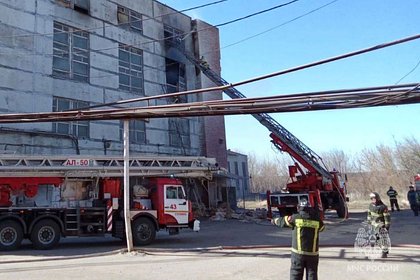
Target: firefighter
x,y
204,63
392,194
379,218
413,198
306,225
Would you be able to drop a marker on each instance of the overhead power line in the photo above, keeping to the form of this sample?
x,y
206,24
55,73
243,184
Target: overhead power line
x,y
341,99
257,13
237,42
99,28
277,26
409,72
184,34
274,74
156,40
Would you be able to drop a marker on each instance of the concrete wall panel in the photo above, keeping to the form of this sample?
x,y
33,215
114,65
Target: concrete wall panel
x,y
17,18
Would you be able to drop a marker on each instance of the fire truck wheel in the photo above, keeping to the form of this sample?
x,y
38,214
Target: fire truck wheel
x,y
341,210
45,234
144,231
11,235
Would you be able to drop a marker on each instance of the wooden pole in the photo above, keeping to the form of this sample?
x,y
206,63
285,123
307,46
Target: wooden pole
x,y
127,217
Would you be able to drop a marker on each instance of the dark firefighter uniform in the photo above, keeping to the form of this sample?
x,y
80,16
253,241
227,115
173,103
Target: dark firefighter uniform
x,y
306,226
413,198
379,217
392,194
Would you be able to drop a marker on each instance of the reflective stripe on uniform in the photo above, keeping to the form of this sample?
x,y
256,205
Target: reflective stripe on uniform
x,y
286,220
300,252
307,223
299,231
377,224
315,237
376,214
392,193
387,218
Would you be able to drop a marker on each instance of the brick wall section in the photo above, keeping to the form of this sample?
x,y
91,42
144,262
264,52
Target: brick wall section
x,y
207,45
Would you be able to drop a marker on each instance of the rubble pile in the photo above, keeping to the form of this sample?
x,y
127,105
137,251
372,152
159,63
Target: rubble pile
x,y
199,209
246,215
250,215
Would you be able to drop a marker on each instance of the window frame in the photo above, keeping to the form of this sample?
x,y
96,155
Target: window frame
x,y
179,132
73,127
176,191
127,68
133,132
173,36
128,14
69,51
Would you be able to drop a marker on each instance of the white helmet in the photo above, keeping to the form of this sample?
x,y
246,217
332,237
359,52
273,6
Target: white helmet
x,y
303,203
374,195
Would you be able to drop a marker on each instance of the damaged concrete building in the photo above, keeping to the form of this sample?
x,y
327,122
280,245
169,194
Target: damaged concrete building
x,y
59,55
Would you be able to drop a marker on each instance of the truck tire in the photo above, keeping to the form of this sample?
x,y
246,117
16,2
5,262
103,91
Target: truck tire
x,y
341,209
11,235
144,231
45,235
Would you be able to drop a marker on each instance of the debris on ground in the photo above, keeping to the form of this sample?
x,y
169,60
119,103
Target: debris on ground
x,y
199,209
223,212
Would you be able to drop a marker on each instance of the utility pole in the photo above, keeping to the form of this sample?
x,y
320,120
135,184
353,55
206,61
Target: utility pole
x,y
127,217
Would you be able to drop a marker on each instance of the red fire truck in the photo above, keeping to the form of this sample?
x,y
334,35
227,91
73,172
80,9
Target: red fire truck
x,y
417,182
310,179
45,198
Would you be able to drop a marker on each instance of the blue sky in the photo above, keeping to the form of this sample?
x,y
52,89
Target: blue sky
x,y
343,26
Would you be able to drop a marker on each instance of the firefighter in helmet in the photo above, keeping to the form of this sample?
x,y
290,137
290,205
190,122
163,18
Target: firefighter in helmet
x,y
392,194
379,218
306,225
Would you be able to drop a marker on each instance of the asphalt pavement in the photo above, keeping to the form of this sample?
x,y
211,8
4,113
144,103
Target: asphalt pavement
x,y
230,249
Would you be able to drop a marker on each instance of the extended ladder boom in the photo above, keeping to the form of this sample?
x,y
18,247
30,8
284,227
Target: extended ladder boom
x,y
105,166
298,149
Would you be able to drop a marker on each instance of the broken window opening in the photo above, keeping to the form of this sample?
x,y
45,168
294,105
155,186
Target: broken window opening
x,y
81,6
129,19
179,128
173,36
80,129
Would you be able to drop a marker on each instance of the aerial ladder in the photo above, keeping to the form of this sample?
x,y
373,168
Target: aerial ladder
x,y
106,166
323,188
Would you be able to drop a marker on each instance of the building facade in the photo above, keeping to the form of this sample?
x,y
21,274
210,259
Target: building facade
x,y
239,179
59,55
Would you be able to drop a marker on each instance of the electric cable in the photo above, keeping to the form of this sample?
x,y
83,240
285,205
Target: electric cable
x,y
365,97
255,14
237,42
162,39
411,71
144,70
102,27
263,77
275,27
